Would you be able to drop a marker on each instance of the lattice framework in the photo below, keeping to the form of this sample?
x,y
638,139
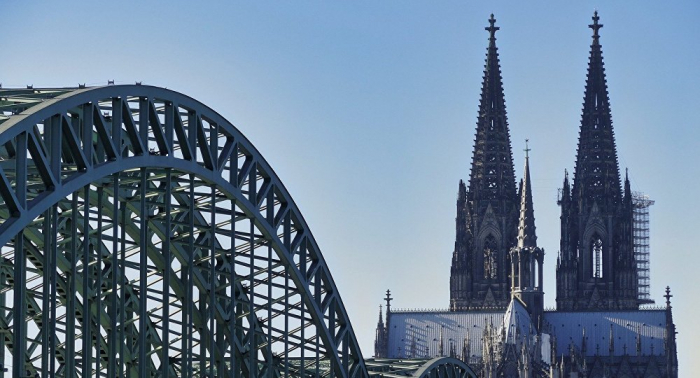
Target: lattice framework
x,y
142,234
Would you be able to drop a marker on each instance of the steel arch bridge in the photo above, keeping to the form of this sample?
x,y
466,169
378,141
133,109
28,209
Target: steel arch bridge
x,y
143,235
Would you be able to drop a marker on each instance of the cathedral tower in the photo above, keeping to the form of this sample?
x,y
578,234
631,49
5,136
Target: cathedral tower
x,y
596,268
487,212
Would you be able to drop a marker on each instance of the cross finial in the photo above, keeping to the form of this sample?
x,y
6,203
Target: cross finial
x,y
595,26
668,297
527,149
388,299
492,28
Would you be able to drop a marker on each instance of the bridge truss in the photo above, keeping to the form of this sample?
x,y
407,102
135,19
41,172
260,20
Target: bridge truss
x,y
438,367
143,235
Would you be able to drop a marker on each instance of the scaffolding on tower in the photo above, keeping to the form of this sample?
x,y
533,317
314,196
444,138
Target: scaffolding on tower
x,y
640,224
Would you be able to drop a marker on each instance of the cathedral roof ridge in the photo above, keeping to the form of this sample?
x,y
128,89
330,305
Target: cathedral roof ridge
x,y
470,310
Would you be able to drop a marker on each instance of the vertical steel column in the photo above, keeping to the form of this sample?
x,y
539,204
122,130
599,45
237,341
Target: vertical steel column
x,y
331,319
98,284
49,236
212,278
165,245
4,314
86,117
165,250
302,315
233,316
252,337
189,282
114,262
143,241
55,139
113,313
252,316
213,143
121,268
19,340
268,350
270,215
55,145
70,300
317,298
143,272
286,324
87,281
345,357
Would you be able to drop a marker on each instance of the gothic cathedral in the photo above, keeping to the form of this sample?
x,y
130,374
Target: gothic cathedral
x,y
496,320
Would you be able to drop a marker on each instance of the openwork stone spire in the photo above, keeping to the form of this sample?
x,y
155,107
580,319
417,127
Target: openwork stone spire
x,y
492,177
487,212
597,174
526,224
597,269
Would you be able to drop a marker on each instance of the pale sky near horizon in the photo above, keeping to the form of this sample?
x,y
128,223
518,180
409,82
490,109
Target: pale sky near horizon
x,y
367,111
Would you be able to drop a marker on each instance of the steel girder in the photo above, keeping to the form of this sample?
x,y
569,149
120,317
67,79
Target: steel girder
x,y
143,235
438,367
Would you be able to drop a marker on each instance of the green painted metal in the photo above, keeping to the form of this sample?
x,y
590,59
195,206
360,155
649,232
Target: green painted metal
x,y
438,367
143,235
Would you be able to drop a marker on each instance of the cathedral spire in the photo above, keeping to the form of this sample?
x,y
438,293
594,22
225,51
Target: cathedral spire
x,y
487,211
598,269
526,225
597,174
492,176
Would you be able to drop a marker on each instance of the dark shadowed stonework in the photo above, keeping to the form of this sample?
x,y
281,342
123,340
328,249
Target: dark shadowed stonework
x,y
487,213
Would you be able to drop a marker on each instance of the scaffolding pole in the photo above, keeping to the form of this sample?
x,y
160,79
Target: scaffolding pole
x,y
640,229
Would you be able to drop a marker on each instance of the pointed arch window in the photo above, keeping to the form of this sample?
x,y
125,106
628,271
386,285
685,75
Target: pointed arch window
x,y
490,258
597,256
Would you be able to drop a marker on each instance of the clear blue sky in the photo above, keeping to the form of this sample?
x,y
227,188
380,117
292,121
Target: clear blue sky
x,y
367,112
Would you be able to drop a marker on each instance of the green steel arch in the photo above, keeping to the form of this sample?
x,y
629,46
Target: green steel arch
x,y
444,367
438,367
143,235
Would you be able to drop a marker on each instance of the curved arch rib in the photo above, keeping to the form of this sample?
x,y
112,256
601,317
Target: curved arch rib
x,y
92,177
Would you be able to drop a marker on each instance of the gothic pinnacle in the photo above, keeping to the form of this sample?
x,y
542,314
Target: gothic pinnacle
x,y
526,224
